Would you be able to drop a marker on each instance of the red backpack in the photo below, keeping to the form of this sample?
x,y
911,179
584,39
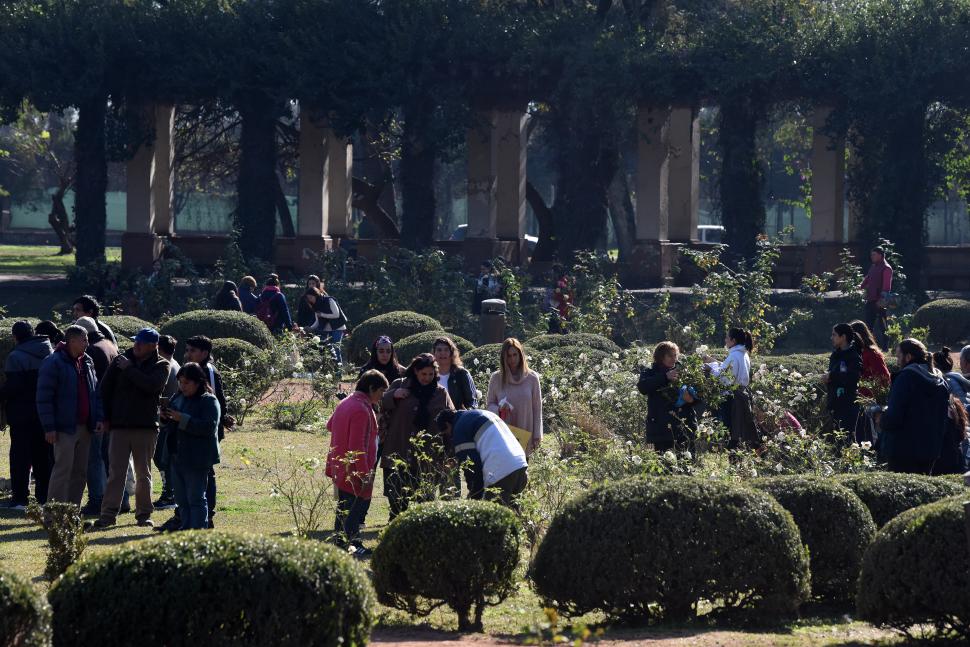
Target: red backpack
x,y
265,313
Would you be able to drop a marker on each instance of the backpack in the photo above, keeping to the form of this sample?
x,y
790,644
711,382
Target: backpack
x,y
265,313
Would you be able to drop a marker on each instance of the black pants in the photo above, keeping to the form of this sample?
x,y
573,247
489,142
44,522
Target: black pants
x,y
874,315
506,489
910,466
399,488
351,512
29,450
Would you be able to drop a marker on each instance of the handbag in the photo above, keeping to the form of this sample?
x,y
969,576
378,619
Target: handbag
x,y
888,300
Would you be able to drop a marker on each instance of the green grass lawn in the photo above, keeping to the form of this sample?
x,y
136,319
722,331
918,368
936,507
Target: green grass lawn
x,y
246,504
38,260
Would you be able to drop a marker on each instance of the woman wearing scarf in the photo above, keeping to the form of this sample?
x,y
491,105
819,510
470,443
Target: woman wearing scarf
x,y
412,403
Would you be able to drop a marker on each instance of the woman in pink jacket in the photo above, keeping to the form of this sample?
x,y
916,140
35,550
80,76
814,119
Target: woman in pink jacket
x,y
353,456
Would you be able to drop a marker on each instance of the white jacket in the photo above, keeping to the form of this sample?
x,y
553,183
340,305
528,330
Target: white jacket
x,y
736,368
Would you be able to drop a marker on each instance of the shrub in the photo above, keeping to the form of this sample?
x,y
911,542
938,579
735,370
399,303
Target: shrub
x,y
65,538
233,353
566,356
887,494
803,363
396,325
947,319
410,346
25,616
217,324
835,526
487,356
126,325
917,572
587,340
650,547
460,553
214,589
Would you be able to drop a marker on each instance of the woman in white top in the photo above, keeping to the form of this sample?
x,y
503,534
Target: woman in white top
x,y
330,320
734,371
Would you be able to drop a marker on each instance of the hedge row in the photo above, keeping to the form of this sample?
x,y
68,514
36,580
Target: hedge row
x,y
887,495
397,325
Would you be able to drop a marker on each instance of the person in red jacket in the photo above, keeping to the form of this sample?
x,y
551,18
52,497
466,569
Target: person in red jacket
x,y
353,456
874,367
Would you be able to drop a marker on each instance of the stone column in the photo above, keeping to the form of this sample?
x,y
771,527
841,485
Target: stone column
x,y
828,197
683,174
338,180
653,173
313,158
481,178
510,175
148,180
163,187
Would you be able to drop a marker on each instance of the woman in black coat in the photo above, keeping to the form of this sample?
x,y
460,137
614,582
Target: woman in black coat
x,y
842,379
669,426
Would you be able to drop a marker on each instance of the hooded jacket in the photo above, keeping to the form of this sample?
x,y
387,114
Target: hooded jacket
x,y
845,368
960,387
19,390
666,422
915,419
278,306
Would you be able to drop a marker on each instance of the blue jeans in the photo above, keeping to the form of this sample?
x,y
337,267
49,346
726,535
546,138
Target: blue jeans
x,y
190,486
335,337
97,474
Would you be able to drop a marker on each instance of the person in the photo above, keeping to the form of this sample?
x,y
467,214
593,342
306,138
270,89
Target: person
x,y
487,286
102,352
130,392
842,379
198,349
411,404
352,458
329,320
914,422
228,299
953,458
87,306
50,330
192,417
70,411
736,411
959,385
452,375
559,300
874,369
246,297
28,449
383,358
499,466
166,348
305,310
878,283
515,394
671,412
272,308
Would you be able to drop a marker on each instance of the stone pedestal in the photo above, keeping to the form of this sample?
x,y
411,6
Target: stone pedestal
x,y
300,253
140,249
651,264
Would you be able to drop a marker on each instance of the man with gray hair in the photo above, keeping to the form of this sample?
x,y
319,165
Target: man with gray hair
x,y
70,412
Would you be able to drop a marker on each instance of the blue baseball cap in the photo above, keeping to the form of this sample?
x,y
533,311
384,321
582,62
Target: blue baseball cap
x,y
146,336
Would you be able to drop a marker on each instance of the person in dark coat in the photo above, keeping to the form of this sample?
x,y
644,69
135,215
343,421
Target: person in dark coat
x,y
246,297
28,450
228,298
671,407
842,378
915,420
383,358
88,306
952,458
272,308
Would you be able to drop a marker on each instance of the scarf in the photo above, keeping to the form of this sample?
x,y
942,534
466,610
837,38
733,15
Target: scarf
x,y
422,418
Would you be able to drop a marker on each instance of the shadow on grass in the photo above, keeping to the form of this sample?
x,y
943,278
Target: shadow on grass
x,y
101,540
31,532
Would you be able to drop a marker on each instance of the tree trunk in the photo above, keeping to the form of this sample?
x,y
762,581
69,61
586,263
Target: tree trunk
x,y
622,214
59,220
257,183
417,188
742,177
545,250
91,184
367,199
283,211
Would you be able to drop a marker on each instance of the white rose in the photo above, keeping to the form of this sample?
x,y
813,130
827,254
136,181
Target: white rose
x,y
636,459
866,445
670,456
779,467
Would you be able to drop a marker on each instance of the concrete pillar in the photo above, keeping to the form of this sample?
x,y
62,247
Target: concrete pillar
x,y
828,197
326,181
148,179
510,174
653,170
140,198
163,187
481,178
684,187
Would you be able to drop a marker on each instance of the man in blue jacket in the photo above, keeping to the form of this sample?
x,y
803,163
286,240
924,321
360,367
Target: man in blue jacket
x,y
69,411
498,459
19,392
914,422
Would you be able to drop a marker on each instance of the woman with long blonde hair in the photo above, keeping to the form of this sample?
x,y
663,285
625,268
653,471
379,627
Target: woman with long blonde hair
x,y
514,392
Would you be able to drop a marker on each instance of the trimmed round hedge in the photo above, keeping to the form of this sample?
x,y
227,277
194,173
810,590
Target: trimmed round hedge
x,y
835,526
397,325
888,494
408,347
214,589
587,340
125,325
487,356
655,547
947,319
917,571
217,324
233,353
567,355
461,552
25,616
